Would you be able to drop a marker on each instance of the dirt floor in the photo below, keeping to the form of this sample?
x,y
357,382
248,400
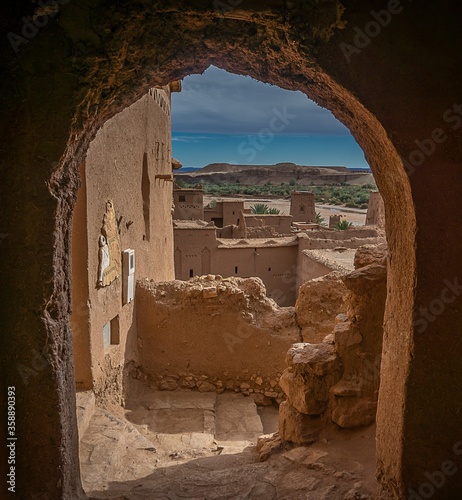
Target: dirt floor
x,y
192,445
354,215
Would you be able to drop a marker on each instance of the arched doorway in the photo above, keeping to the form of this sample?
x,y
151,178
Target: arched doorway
x,y
72,76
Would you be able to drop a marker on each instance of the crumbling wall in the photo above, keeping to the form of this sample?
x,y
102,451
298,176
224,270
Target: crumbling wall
x,y
281,224
261,232
319,301
213,334
337,380
332,238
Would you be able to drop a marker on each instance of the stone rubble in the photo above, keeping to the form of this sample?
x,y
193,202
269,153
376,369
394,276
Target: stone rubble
x,y
337,380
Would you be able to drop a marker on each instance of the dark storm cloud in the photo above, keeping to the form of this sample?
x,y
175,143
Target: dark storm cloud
x,y
222,103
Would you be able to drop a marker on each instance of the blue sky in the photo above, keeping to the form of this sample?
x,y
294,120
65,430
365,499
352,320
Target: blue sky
x,y
224,118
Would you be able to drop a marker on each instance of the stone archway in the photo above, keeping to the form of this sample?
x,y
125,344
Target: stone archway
x,y
379,75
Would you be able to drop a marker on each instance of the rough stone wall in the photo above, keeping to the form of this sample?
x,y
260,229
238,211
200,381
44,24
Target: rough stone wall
x,y
319,301
122,163
213,333
280,223
260,232
338,379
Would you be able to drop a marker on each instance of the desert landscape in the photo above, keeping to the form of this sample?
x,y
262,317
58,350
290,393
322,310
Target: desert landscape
x,y
219,173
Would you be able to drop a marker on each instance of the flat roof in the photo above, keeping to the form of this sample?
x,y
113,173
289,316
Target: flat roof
x,y
258,242
192,224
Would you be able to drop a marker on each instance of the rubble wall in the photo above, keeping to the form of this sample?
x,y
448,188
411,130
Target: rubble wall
x,y
337,379
213,334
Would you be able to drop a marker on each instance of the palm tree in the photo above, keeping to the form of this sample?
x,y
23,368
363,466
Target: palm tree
x,y
343,225
319,219
262,208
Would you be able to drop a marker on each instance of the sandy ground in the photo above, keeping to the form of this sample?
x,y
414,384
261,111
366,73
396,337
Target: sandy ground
x,y
192,445
356,216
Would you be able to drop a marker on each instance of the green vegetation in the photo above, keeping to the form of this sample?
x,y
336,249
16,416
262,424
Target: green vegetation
x,y
350,196
262,208
343,225
319,219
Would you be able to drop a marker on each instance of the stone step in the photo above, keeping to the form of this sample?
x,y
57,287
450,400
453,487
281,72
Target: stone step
x,y
112,448
164,429
237,419
177,420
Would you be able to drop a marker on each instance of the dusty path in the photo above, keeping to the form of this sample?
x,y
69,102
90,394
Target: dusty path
x,y
191,445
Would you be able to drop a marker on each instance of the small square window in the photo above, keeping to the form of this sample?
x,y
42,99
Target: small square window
x,y
182,198
111,333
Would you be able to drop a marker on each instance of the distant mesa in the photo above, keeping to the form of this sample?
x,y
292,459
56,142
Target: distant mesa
x,y
287,173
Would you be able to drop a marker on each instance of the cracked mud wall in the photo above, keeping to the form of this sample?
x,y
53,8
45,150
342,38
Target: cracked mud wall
x,y
213,334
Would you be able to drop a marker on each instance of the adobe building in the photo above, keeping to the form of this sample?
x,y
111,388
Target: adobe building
x,y
122,230
265,245
257,226
334,220
282,263
92,69
302,206
224,213
188,203
199,252
375,210
195,242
